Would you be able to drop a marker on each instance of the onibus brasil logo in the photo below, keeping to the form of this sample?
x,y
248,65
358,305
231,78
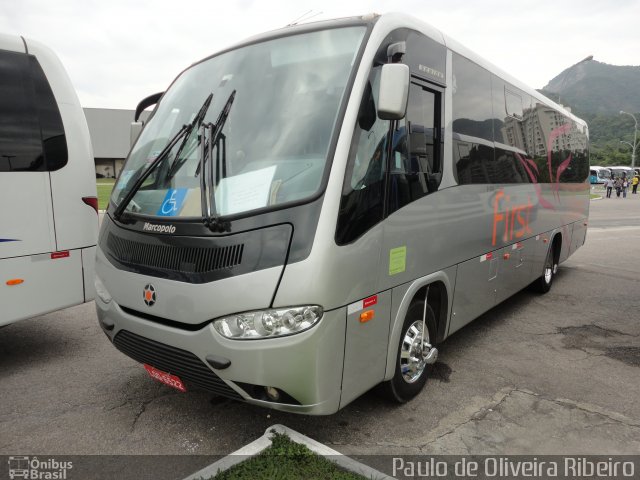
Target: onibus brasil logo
x,y
33,468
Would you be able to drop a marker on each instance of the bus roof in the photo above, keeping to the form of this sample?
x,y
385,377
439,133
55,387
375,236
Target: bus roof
x,y
393,20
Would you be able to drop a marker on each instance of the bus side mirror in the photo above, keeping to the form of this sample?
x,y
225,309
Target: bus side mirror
x,y
394,91
134,132
136,125
146,103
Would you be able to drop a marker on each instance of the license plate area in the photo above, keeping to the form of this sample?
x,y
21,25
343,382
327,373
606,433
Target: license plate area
x,y
166,378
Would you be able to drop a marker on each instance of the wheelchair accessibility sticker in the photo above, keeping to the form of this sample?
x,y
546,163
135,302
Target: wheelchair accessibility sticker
x,y
172,203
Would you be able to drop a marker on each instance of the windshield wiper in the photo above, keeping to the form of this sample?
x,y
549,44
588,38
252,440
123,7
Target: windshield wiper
x,y
211,219
136,186
197,121
185,131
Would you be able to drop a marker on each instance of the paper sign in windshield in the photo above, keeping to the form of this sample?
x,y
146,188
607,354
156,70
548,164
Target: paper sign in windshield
x,y
244,192
172,202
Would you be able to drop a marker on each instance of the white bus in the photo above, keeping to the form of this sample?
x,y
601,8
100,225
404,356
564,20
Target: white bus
x,y
622,171
308,214
48,203
599,175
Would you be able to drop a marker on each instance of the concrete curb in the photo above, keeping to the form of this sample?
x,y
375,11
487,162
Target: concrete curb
x,y
257,446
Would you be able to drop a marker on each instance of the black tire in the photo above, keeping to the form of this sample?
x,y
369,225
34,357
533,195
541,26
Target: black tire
x,y
544,282
399,389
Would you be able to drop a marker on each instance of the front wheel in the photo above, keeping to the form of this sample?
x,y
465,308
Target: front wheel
x,y
412,368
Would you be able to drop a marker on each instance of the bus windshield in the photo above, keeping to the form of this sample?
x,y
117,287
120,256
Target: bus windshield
x,y
274,143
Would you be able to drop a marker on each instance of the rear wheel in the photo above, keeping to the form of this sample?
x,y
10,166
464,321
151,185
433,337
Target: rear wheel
x,y
543,284
412,371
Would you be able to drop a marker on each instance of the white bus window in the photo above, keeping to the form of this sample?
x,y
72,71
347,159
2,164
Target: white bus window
x,y
31,132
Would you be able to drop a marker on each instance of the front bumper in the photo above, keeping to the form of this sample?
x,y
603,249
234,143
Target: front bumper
x,y
306,366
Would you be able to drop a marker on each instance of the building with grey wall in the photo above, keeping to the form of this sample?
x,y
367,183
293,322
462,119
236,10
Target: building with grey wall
x,y
110,137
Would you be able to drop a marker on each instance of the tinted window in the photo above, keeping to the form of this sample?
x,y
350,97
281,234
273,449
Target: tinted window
x,y
472,121
502,135
415,167
558,146
362,202
54,142
471,99
513,104
426,57
31,132
511,120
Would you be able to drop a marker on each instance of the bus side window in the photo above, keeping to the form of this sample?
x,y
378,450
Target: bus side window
x,y
415,169
362,203
32,137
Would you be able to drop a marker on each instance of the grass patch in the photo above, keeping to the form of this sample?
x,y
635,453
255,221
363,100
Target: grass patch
x,y
594,195
104,185
286,460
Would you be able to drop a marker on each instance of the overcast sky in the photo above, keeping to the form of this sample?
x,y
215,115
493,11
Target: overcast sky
x,y
119,51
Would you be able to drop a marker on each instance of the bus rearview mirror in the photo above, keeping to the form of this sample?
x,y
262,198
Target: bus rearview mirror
x,y
394,91
134,132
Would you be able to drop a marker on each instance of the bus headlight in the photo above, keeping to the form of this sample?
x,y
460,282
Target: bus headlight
x,y
268,323
101,290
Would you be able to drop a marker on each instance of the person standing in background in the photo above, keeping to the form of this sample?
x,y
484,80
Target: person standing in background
x,y
609,184
634,184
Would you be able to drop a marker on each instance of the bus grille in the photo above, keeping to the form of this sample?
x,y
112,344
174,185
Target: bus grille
x,y
185,365
174,258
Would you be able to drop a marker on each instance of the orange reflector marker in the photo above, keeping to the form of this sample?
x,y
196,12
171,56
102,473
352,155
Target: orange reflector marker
x,y
15,281
366,316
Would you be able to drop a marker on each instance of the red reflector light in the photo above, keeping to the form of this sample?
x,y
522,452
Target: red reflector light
x,y
92,202
367,302
15,281
56,255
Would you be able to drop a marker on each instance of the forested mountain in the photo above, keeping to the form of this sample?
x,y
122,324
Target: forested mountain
x,y
597,92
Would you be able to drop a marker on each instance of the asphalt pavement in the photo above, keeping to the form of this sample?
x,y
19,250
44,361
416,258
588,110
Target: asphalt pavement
x,y
552,374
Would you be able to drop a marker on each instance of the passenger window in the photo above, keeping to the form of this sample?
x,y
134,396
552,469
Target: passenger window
x,y
473,126
513,104
415,168
471,99
362,202
32,136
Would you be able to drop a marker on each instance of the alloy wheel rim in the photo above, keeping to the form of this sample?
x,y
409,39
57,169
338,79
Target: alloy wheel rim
x,y
412,353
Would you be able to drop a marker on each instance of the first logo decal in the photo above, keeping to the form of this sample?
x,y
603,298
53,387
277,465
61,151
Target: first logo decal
x,y
149,295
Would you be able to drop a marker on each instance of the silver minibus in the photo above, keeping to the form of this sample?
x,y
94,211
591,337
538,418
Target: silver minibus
x,y
308,214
